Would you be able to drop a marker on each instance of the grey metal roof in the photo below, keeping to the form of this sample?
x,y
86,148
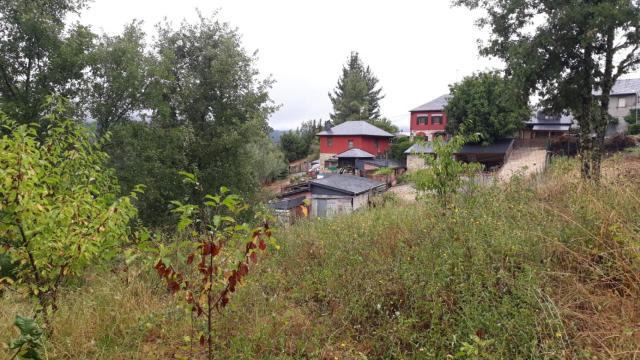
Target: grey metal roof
x,y
423,148
500,146
355,153
358,127
348,184
390,163
436,104
286,204
553,127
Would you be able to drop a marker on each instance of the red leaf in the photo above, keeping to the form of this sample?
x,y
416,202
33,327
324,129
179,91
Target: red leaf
x,y
215,250
189,297
173,286
244,270
253,257
262,245
481,333
190,258
225,301
201,340
256,233
251,245
206,249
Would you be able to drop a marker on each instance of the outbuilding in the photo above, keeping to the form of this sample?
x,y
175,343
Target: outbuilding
x,y
336,194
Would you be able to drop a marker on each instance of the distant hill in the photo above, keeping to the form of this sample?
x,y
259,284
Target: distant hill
x,y
275,135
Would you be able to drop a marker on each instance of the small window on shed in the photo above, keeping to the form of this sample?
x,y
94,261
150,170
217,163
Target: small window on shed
x,y
622,102
436,119
329,141
422,119
350,144
376,142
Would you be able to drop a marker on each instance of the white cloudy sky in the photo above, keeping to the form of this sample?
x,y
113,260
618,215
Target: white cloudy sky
x,y
416,48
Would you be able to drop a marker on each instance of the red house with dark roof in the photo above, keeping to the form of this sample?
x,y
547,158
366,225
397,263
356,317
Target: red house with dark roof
x,y
429,120
341,145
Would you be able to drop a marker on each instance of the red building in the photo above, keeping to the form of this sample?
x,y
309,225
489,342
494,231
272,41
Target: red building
x,y
341,145
429,119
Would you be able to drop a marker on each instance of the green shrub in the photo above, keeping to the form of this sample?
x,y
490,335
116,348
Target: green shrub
x,y
634,129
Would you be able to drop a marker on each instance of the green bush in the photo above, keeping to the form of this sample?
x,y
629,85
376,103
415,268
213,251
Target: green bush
x,y
634,129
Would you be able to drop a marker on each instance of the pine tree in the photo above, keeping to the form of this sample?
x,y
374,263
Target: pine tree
x,y
356,96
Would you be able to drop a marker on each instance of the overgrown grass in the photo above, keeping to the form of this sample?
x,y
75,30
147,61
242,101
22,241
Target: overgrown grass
x,y
547,268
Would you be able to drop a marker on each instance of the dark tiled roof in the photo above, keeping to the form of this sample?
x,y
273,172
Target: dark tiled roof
x,y
437,104
355,153
380,163
390,163
358,127
624,87
500,146
286,204
349,184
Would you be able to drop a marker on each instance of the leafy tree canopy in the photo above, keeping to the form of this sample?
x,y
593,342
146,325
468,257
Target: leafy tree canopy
x,y
302,142
384,124
357,95
59,212
563,51
40,55
486,104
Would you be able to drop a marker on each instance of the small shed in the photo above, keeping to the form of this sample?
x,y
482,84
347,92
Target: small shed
x,y
336,194
290,209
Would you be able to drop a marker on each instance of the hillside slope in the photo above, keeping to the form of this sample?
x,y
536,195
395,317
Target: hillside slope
x,y
548,268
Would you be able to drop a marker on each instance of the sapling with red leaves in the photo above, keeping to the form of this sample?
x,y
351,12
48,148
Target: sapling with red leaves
x,y
216,253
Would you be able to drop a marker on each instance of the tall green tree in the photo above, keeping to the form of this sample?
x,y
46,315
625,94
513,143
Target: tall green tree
x,y
293,145
203,79
40,55
357,95
563,51
118,78
487,104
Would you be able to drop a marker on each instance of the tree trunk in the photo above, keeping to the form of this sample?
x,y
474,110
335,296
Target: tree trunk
x,y
585,117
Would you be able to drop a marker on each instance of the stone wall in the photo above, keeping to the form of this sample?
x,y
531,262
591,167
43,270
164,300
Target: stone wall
x,y
324,157
414,162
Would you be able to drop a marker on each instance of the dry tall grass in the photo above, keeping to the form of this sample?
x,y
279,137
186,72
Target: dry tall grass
x,y
547,268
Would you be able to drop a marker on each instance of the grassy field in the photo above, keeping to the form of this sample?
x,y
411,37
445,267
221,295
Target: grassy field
x,y
547,268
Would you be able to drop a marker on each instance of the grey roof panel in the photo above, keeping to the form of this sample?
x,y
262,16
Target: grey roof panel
x,y
436,104
286,204
552,127
359,127
355,153
390,163
424,148
353,185
500,146
624,87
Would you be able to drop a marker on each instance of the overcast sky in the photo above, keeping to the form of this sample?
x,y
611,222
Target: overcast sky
x,y
415,48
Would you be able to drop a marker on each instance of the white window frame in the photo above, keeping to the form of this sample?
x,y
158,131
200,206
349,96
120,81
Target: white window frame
x,y
622,102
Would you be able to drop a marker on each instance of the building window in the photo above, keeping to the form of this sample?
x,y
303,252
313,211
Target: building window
x,y
422,119
376,142
622,102
436,119
350,144
329,141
